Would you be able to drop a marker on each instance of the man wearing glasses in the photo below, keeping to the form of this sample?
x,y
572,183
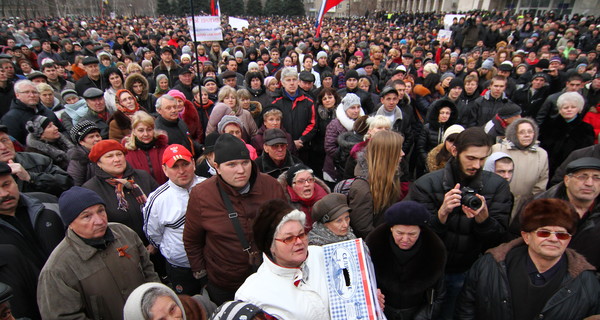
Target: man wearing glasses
x,y
581,188
535,276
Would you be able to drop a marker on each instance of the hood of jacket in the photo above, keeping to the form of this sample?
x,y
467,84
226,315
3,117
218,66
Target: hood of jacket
x,y
132,309
135,77
511,132
434,111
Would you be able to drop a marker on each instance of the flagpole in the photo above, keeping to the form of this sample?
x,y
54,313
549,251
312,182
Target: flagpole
x,y
195,52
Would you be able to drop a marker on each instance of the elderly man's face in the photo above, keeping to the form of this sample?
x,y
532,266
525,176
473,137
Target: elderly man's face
x,y
91,222
583,185
28,94
546,248
7,148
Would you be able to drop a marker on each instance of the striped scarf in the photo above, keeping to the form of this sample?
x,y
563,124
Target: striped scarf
x,y
130,184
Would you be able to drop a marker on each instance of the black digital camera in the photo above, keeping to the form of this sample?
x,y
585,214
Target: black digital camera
x,y
469,198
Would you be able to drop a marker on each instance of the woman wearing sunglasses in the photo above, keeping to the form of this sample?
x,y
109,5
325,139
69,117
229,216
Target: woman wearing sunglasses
x,y
283,286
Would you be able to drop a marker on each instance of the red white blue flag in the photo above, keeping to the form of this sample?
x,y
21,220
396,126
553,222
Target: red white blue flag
x,y
325,6
215,9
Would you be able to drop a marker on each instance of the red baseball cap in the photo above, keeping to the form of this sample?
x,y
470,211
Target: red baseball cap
x,y
175,152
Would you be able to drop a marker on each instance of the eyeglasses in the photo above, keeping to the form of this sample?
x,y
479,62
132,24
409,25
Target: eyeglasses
x,y
34,92
292,239
309,180
585,177
559,234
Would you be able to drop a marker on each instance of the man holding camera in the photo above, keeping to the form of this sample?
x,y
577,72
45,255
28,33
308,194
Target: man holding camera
x,y
469,207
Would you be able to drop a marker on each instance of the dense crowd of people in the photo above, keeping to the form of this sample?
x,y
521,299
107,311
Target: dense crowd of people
x,y
147,176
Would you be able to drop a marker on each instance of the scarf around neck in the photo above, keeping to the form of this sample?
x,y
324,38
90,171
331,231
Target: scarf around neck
x,y
130,184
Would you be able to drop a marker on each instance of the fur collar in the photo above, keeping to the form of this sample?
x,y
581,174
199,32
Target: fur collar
x,y
56,151
576,262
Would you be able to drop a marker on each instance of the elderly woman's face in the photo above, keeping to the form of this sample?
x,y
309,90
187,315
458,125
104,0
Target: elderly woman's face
x,y
127,100
404,236
290,245
113,162
568,110
340,225
165,308
304,185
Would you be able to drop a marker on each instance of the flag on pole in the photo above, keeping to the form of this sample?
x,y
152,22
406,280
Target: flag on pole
x,y
325,6
215,9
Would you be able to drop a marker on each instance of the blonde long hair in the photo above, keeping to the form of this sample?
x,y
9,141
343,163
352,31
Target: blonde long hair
x,y
383,154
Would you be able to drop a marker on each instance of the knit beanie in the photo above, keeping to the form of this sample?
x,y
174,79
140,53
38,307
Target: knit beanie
x,y
431,68
104,146
228,148
227,120
488,64
456,82
252,65
455,128
65,94
350,100
82,129
294,170
549,212
509,110
447,75
321,54
73,201
37,125
408,213
352,74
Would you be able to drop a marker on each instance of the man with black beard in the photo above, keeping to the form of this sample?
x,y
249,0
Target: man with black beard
x,y
467,228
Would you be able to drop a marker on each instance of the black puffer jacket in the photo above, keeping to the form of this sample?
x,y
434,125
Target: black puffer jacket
x,y
486,293
420,278
366,103
465,239
484,109
433,130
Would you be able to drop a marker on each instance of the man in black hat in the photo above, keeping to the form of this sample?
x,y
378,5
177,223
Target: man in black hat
x,y
186,77
306,84
97,111
24,107
232,67
581,188
276,158
219,246
532,96
92,79
536,275
167,66
352,87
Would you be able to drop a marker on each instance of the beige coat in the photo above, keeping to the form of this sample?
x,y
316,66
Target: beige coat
x,y
82,282
531,169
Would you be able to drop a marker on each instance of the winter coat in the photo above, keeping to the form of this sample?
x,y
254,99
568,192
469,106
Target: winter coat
x,y
7,94
559,174
404,123
82,282
47,226
172,73
425,97
282,299
530,174
486,293
530,105
210,240
85,83
559,138
249,128
80,168
470,36
133,217
259,95
485,108
419,279
465,239
298,116
334,159
45,176
57,150
593,118
18,115
99,122
149,160
177,132
433,130
317,144
192,120
217,113
432,164
549,109
258,140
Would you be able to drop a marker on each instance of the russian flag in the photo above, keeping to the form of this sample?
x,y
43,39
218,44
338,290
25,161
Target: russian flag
x,y
215,9
325,6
